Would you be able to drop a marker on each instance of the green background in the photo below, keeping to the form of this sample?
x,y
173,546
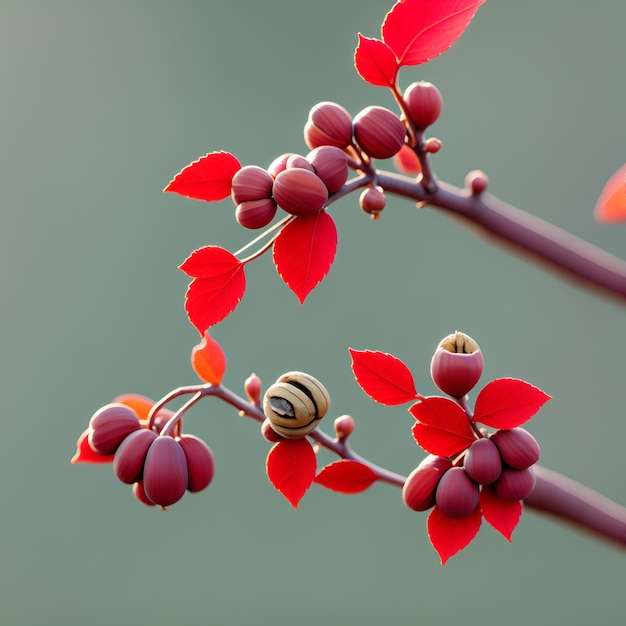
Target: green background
x,y
101,104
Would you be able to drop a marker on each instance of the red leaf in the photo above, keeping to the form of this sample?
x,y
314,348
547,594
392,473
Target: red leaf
x,y
218,287
507,403
208,360
419,30
383,377
449,535
291,466
406,161
84,453
611,206
304,251
503,515
375,62
209,178
346,477
442,427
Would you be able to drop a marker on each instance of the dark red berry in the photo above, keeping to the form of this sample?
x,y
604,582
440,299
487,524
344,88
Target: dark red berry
x,y
331,165
379,131
251,183
457,494
423,102
329,124
255,213
299,191
130,456
515,484
165,472
419,488
200,462
109,426
482,462
518,448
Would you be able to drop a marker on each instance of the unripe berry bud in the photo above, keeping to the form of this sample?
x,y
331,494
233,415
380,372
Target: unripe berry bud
x,y
344,426
331,165
109,426
165,472
130,456
329,124
255,213
252,386
514,485
419,488
477,181
518,448
379,131
299,191
423,102
372,201
251,183
457,494
200,462
433,145
297,160
482,462
278,165
457,365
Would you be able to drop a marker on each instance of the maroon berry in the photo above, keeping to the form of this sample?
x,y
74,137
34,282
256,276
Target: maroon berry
x,y
299,191
329,124
200,462
518,448
379,131
278,165
423,102
482,462
457,365
251,183
298,161
457,494
109,426
130,456
140,494
331,165
419,488
372,201
344,426
165,472
255,213
515,484
268,432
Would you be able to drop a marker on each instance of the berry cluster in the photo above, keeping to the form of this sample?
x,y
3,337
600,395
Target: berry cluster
x,y
502,460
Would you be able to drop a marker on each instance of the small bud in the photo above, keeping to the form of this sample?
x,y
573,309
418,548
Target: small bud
x,y
457,365
514,485
477,181
482,462
419,488
130,456
109,426
251,183
457,494
200,462
433,145
331,165
344,426
518,448
299,191
278,165
372,201
252,386
329,124
165,472
423,102
379,131
255,214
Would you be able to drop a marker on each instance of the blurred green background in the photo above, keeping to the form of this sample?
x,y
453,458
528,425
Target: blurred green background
x,y
101,104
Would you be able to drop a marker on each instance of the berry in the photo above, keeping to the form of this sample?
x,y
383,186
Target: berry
x,y
379,131
331,165
298,161
165,472
344,426
419,488
457,364
482,462
255,213
278,165
477,181
423,103
329,124
518,448
109,426
514,485
299,191
140,494
457,494
251,183
268,432
200,462
130,456
372,201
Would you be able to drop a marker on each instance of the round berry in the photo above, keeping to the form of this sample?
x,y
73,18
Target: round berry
x,y
251,183
457,364
165,472
379,131
297,160
278,165
329,124
255,214
200,462
372,201
457,494
331,165
423,103
109,426
515,484
518,448
299,191
130,456
482,462
419,488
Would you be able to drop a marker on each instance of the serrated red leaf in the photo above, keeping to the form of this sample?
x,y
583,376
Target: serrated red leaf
x,y
218,286
611,205
448,536
84,453
209,178
442,427
383,377
375,62
304,251
507,403
291,466
503,515
419,30
346,476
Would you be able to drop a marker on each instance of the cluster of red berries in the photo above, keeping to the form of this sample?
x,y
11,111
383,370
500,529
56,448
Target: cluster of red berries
x,y
160,467
502,460
301,185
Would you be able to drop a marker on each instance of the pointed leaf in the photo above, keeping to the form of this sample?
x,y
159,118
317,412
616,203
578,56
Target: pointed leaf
x,y
209,178
304,251
84,453
449,535
507,403
208,360
406,161
291,466
346,477
611,206
419,30
503,515
442,427
375,62
218,287
383,377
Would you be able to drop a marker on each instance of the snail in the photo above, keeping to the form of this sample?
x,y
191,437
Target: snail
x,y
295,404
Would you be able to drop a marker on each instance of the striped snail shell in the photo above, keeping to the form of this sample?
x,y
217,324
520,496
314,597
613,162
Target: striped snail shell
x,y
295,404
